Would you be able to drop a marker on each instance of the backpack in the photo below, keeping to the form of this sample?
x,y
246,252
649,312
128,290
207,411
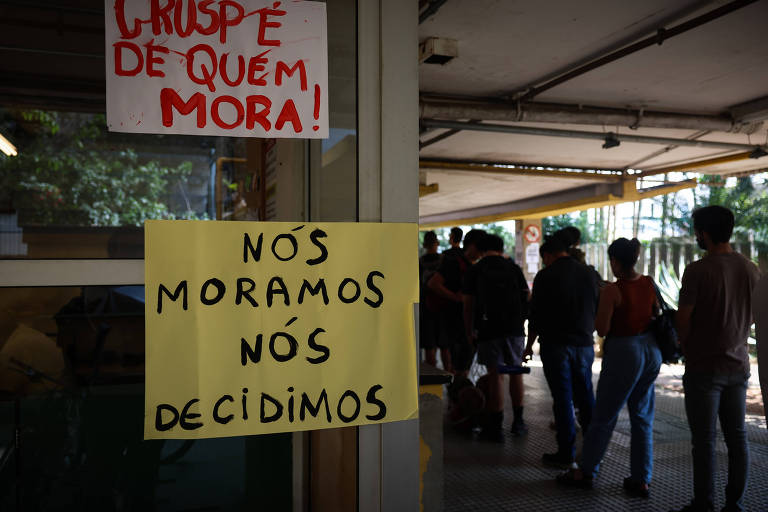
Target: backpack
x,y
663,328
500,299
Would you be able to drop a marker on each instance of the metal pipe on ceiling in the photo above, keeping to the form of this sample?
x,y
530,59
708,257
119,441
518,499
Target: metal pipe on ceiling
x,y
666,149
738,157
574,114
576,134
442,136
673,16
447,165
437,138
434,6
661,36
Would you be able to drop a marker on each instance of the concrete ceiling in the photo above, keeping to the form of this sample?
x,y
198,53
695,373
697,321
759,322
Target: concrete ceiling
x,y
505,47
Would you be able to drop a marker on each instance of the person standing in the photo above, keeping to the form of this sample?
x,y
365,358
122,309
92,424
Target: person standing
x,y
713,320
447,283
563,305
760,314
495,294
429,304
630,365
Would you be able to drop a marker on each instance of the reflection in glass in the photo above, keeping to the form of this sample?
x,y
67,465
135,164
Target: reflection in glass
x,y
72,416
71,172
77,191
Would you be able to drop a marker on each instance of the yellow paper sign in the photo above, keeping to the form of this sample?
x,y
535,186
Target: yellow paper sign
x,y
261,327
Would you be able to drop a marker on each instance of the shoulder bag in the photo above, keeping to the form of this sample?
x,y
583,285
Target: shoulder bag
x,y
663,329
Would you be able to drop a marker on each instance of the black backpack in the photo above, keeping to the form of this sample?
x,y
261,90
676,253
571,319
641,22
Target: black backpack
x,y
663,328
500,299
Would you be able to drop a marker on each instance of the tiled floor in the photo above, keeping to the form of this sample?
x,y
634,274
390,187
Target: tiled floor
x,y
484,476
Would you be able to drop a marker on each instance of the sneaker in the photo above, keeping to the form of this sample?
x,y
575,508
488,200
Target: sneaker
x,y
519,429
556,460
636,488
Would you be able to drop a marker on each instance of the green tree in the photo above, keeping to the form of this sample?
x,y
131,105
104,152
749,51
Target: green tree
x,y
507,236
748,199
66,174
579,220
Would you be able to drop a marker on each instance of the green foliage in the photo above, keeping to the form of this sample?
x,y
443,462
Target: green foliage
x,y
749,202
578,219
499,230
65,174
748,199
668,282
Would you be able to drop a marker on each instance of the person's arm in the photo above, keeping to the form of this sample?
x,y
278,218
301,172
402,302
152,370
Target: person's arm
x,y
525,292
685,306
437,284
683,324
532,332
609,299
528,352
468,294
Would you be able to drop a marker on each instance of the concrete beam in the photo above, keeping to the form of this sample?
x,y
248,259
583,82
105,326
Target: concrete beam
x,y
558,203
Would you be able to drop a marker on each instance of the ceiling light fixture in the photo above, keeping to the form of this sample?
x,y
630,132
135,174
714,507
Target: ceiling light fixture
x,y
6,146
758,153
611,141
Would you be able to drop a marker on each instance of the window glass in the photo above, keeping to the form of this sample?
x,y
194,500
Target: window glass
x,y
72,358
75,190
72,416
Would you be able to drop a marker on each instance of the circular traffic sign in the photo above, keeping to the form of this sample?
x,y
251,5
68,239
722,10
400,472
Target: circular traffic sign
x,y
532,233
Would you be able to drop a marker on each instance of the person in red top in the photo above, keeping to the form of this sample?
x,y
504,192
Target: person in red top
x,y
631,363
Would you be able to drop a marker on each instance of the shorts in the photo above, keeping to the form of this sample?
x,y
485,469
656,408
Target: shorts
x,y
507,351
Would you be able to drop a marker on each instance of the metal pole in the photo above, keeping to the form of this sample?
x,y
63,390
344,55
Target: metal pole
x,y
434,6
444,108
661,36
574,134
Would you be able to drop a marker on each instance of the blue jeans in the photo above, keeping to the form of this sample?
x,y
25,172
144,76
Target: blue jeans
x,y
708,396
630,367
568,370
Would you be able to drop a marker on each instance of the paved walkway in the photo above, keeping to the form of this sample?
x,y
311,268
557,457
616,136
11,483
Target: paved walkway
x,y
485,476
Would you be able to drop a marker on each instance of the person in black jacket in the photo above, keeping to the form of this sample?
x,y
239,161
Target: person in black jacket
x,y
495,298
429,320
562,316
446,284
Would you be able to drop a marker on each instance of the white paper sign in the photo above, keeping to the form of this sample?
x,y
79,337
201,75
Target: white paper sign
x,y
532,254
244,68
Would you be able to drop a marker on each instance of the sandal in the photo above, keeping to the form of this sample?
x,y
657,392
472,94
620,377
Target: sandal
x,y
636,488
569,478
